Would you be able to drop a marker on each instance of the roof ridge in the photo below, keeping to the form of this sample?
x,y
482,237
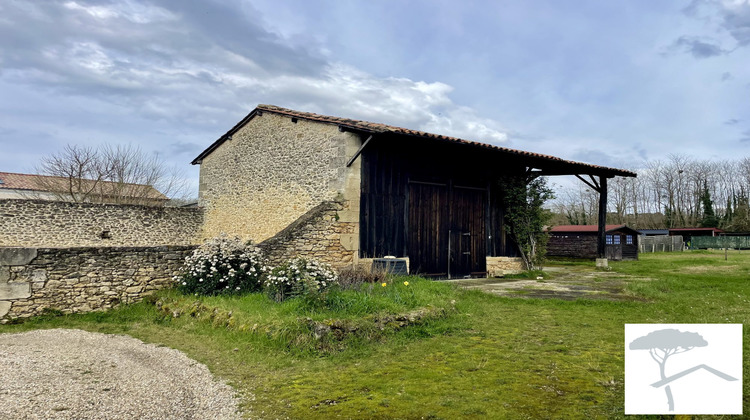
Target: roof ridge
x,y
372,127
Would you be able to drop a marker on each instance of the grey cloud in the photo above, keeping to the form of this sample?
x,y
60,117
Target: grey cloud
x,y
601,158
641,151
745,137
697,47
181,147
731,121
726,76
146,55
737,22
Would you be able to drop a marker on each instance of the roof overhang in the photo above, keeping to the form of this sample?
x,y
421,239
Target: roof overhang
x,y
538,164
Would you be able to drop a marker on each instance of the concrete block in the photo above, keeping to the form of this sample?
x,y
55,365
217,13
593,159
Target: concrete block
x,y
4,308
17,256
4,274
348,216
601,263
12,291
350,241
39,275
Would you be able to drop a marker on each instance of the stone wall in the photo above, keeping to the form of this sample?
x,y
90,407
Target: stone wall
x,y
274,170
500,266
319,234
82,279
40,223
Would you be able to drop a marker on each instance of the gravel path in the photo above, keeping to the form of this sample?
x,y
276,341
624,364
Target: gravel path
x,y
74,374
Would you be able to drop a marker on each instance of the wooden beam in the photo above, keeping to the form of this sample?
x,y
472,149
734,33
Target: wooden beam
x,y
594,181
593,186
359,152
601,238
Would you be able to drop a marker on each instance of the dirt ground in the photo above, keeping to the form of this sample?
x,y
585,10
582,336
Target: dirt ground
x,y
564,282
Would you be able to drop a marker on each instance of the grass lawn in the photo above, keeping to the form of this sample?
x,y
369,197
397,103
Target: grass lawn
x,y
473,355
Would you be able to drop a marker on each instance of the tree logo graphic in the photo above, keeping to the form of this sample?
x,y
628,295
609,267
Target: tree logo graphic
x,y
664,343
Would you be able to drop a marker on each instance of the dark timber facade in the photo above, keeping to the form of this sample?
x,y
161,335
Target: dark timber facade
x,y
436,203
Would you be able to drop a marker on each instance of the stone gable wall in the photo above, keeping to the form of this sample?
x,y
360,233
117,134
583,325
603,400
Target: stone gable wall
x,y
40,223
74,280
273,171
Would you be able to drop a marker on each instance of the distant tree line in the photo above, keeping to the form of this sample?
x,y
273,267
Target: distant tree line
x,y
679,191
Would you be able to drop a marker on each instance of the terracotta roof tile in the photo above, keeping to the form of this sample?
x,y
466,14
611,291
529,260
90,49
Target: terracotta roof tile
x,y
384,128
32,182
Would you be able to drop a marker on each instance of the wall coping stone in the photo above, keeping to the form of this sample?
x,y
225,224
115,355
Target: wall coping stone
x,y
87,204
315,213
17,256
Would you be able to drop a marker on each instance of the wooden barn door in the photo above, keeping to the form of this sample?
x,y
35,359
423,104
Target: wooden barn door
x,y
428,229
446,230
468,248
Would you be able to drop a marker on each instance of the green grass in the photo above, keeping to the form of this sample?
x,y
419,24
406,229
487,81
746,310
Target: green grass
x,y
484,357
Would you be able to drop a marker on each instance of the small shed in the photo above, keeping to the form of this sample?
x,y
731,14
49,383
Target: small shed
x,y
579,241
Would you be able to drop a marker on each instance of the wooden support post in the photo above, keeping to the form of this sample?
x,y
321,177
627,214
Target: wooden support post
x,y
601,239
359,152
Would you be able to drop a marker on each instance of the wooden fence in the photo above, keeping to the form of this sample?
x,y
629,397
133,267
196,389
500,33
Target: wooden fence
x,y
661,243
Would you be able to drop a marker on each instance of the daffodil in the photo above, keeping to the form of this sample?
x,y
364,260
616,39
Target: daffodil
x,y
384,284
406,283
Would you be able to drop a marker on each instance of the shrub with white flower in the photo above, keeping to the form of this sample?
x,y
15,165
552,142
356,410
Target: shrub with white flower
x,y
299,277
223,265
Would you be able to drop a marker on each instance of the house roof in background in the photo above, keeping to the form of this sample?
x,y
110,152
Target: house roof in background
x,y
653,231
696,229
43,183
566,166
587,228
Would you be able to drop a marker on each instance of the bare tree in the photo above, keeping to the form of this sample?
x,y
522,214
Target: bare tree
x,y
666,194
72,174
109,174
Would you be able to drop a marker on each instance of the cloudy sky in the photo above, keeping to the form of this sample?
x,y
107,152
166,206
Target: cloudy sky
x,y
604,82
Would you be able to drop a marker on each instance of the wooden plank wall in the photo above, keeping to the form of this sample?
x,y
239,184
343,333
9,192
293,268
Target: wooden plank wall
x,y
388,167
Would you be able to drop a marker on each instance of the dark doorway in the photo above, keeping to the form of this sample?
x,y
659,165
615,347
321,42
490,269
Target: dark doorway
x,y
447,230
428,229
467,244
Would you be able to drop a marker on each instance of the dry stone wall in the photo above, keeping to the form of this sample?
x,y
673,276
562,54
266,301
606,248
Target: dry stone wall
x,y
274,170
319,234
40,223
500,266
82,279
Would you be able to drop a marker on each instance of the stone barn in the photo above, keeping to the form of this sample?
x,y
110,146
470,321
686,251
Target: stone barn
x,y
579,241
347,191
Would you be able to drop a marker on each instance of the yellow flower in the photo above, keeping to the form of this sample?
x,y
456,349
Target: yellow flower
x,y
406,283
384,284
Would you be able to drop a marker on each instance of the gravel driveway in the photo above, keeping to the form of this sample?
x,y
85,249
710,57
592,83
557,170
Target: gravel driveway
x,y
74,374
